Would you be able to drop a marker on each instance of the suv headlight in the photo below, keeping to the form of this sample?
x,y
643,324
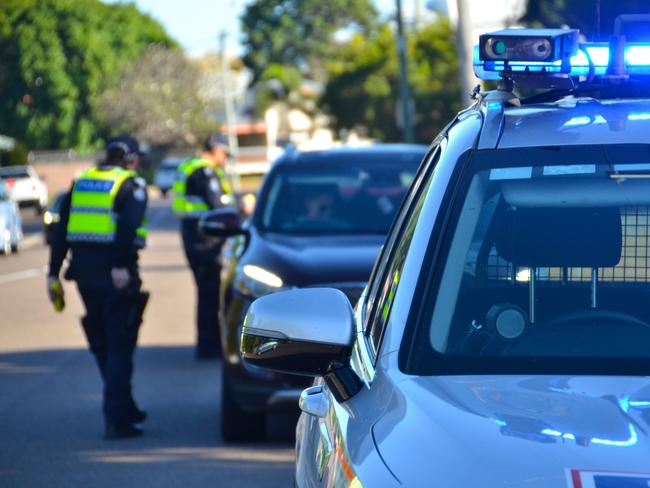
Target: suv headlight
x,y
256,281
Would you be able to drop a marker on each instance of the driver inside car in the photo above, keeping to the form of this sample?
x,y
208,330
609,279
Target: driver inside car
x,y
319,206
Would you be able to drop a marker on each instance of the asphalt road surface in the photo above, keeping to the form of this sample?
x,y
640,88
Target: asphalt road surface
x,y
50,392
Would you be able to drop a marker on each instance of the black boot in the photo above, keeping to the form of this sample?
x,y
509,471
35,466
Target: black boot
x,y
121,431
137,416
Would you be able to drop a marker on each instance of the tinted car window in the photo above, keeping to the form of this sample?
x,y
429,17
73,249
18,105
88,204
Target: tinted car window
x,y
351,197
20,172
545,258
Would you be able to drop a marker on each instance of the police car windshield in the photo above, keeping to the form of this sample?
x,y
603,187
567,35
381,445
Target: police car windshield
x,y
547,256
346,197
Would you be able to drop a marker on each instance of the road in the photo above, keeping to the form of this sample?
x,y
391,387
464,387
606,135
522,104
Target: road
x,y
50,392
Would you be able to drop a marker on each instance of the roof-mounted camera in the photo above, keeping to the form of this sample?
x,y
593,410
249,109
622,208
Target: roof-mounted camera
x,y
555,58
529,45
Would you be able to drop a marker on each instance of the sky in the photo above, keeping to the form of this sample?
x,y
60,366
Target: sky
x,y
196,24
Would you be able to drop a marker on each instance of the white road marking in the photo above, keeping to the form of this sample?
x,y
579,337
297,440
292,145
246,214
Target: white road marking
x,y
22,275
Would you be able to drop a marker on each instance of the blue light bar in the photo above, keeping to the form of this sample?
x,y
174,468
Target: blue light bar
x,y
637,62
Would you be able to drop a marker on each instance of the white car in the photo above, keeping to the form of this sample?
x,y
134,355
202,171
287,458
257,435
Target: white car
x,y
11,228
503,338
25,187
166,174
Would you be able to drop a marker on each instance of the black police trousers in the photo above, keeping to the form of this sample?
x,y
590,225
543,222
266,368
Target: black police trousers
x,y
205,268
112,335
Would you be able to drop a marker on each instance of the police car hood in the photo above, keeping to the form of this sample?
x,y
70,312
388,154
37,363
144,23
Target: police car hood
x,y
313,260
513,431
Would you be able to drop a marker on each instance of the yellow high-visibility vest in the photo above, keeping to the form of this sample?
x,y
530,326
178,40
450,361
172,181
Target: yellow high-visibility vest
x,y
92,216
190,205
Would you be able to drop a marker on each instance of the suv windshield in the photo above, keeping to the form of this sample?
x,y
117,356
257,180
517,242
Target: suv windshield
x,y
546,256
348,197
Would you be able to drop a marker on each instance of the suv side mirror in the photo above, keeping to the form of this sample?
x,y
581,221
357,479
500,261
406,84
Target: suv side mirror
x,y
307,332
223,222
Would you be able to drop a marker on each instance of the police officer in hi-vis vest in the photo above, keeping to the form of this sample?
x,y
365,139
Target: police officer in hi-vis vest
x,y
102,224
201,186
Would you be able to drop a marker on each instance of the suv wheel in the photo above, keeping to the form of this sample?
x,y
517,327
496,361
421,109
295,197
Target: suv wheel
x,y
7,248
237,425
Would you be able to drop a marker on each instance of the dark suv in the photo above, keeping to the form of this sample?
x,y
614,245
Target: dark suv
x,y
320,220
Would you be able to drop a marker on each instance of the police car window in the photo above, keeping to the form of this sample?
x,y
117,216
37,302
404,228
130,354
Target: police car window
x,y
385,279
353,197
547,259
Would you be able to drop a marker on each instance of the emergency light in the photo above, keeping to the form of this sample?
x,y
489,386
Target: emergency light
x,y
517,53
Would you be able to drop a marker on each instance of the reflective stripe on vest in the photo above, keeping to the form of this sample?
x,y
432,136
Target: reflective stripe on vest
x,y
189,205
223,181
92,218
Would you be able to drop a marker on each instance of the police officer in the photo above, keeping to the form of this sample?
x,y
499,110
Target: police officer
x,y
102,224
201,186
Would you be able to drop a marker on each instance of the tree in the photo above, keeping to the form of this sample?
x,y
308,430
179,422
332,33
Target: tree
x,y
57,57
581,14
157,100
364,82
298,33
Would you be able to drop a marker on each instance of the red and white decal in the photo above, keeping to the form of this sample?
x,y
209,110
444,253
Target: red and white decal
x,y
586,478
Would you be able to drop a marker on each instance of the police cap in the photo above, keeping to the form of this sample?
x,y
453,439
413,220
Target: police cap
x,y
217,141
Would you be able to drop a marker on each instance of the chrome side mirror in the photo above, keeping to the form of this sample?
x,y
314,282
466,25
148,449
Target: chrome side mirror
x,y
299,331
307,332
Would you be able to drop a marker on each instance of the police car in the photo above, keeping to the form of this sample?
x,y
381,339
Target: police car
x,y
504,336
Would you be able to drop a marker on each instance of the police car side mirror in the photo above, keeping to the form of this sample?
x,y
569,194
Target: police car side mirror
x,y
223,222
308,332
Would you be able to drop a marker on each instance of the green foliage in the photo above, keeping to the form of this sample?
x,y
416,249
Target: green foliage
x,y
434,78
158,100
276,83
57,57
364,82
17,156
298,33
580,14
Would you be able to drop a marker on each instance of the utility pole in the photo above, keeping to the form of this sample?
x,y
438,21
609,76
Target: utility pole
x,y
465,50
231,118
405,95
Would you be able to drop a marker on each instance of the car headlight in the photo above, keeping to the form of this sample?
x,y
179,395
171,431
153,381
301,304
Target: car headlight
x,y
47,218
256,281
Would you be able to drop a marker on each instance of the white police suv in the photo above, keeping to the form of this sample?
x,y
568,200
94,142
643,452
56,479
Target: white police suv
x,y
504,337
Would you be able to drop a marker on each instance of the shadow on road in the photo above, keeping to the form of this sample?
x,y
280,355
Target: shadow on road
x,y
51,426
